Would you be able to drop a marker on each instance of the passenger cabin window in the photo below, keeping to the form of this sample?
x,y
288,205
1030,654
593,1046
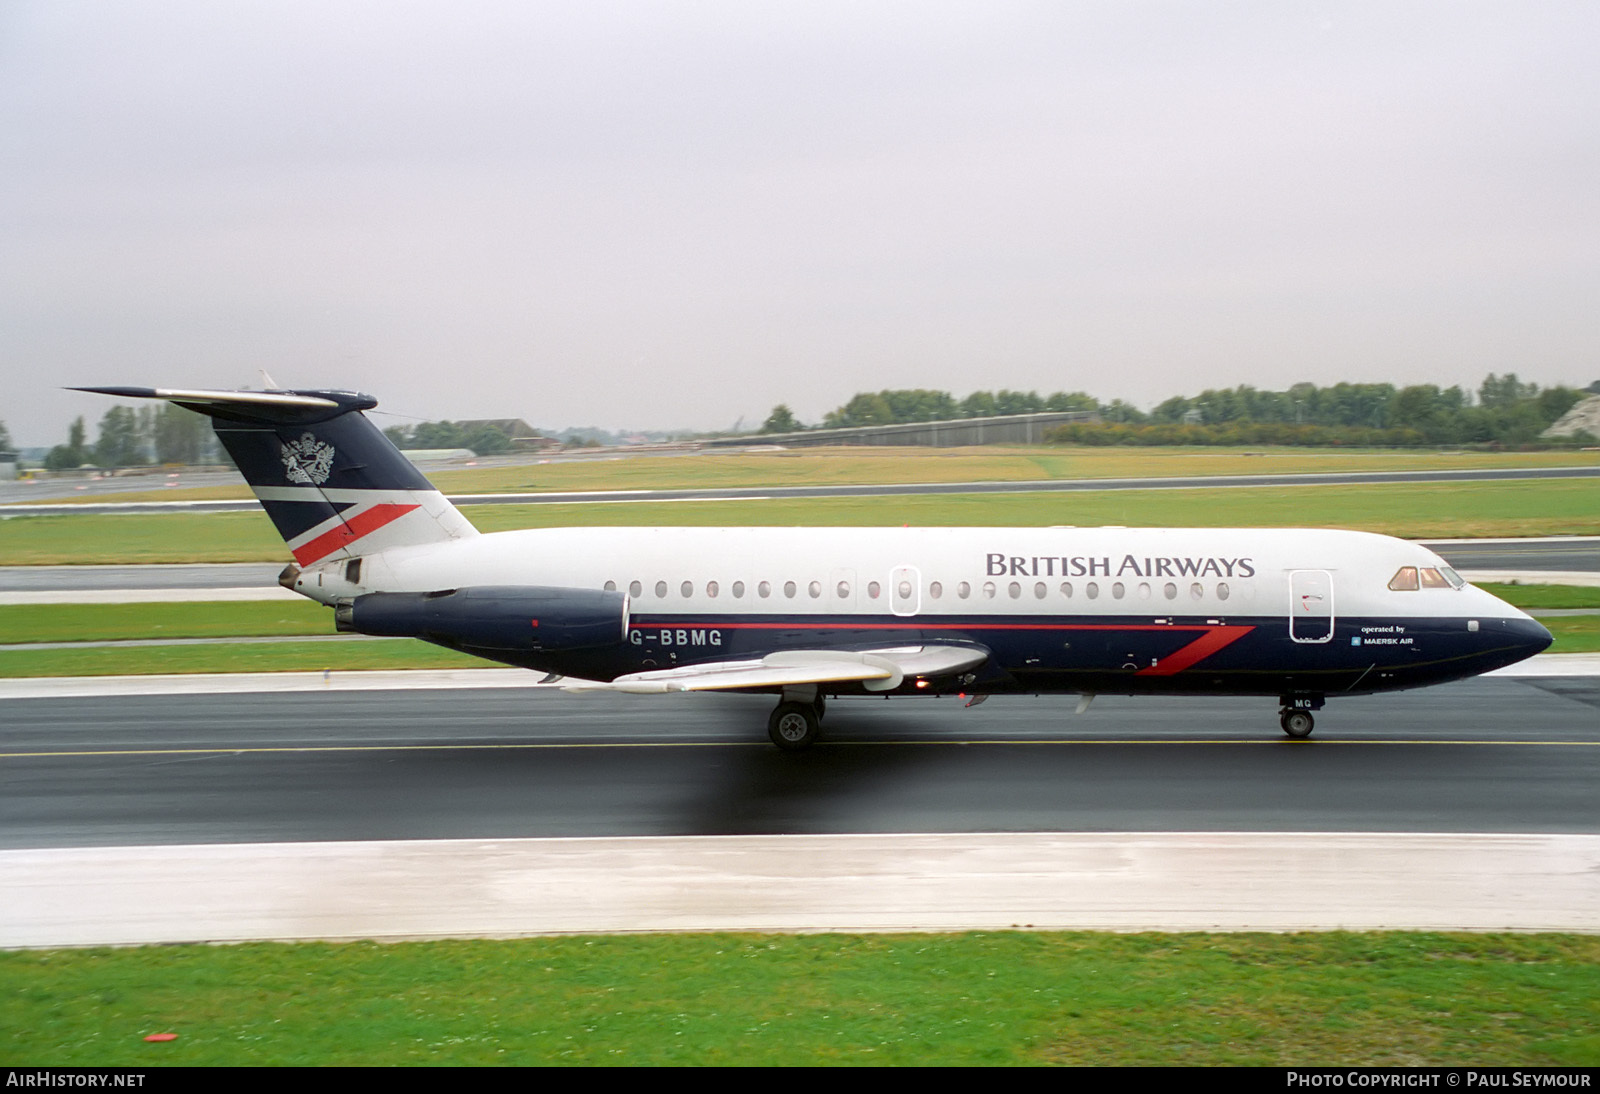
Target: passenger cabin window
x,y
738,588
661,588
634,588
611,586
873,589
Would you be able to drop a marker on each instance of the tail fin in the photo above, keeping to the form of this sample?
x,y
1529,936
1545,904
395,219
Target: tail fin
x,y
333,484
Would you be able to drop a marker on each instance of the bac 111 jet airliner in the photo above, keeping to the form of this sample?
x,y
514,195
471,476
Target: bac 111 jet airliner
x,y
805,614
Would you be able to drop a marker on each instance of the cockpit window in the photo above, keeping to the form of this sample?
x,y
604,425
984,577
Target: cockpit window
x,y
1411,578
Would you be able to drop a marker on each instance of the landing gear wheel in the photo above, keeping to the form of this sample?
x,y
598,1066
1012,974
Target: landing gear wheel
x,y
1297,723
793,726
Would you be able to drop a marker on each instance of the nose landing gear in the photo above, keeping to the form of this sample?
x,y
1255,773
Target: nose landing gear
x,y
1294,714
1297,723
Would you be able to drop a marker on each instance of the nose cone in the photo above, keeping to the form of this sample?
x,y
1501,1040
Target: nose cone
x,y
1533,636
1514,637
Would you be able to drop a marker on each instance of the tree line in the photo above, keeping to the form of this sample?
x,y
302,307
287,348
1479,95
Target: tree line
x,y
138,437
483,439
1503,410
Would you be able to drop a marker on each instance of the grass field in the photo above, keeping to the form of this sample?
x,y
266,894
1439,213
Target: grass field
x,y
1516,508
840,466
1005,998
352,656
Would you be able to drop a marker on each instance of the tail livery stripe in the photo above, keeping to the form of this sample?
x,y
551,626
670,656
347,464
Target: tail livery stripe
x,y
352,528
325,474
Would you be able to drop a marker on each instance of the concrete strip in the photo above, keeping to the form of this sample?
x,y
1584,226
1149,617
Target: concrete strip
x,y
1514,540
1533,577
142,596
233,683
1100,881
1553,664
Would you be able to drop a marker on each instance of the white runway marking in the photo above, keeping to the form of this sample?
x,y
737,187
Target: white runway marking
x,y
1102,881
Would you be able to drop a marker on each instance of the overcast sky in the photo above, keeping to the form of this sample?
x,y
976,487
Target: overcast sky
x,y
674,215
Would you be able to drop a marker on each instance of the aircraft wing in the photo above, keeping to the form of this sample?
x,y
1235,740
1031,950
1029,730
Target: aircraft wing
x,y
875,670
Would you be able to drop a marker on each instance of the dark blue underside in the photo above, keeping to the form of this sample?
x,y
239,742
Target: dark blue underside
x,y
1264,661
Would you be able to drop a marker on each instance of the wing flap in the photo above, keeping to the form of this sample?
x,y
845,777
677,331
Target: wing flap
x,y
875,670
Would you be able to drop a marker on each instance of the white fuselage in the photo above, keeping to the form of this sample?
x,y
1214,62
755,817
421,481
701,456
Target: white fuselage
x,y
931,572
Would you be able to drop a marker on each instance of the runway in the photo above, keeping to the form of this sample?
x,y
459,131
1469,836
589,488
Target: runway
x,y
331,813
514,810
1504,754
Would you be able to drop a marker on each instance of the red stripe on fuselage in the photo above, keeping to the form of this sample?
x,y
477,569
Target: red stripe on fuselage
x,y
1207,644
351,529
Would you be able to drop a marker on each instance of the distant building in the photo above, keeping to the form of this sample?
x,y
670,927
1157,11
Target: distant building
x,y
1584,417
438,455
8,466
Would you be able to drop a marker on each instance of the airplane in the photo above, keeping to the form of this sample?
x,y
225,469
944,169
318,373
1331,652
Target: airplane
x,y
808,614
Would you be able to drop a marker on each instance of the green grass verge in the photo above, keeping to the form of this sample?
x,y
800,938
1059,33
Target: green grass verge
x,y
1397,999
348,656
176,619
1574,634
1515,508
1534,597
853,465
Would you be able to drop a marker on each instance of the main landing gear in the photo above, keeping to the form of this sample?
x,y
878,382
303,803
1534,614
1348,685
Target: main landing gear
x,y
1295,714
796,725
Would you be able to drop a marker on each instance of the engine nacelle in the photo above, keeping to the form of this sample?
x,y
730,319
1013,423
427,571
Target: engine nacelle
x,y
531,618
